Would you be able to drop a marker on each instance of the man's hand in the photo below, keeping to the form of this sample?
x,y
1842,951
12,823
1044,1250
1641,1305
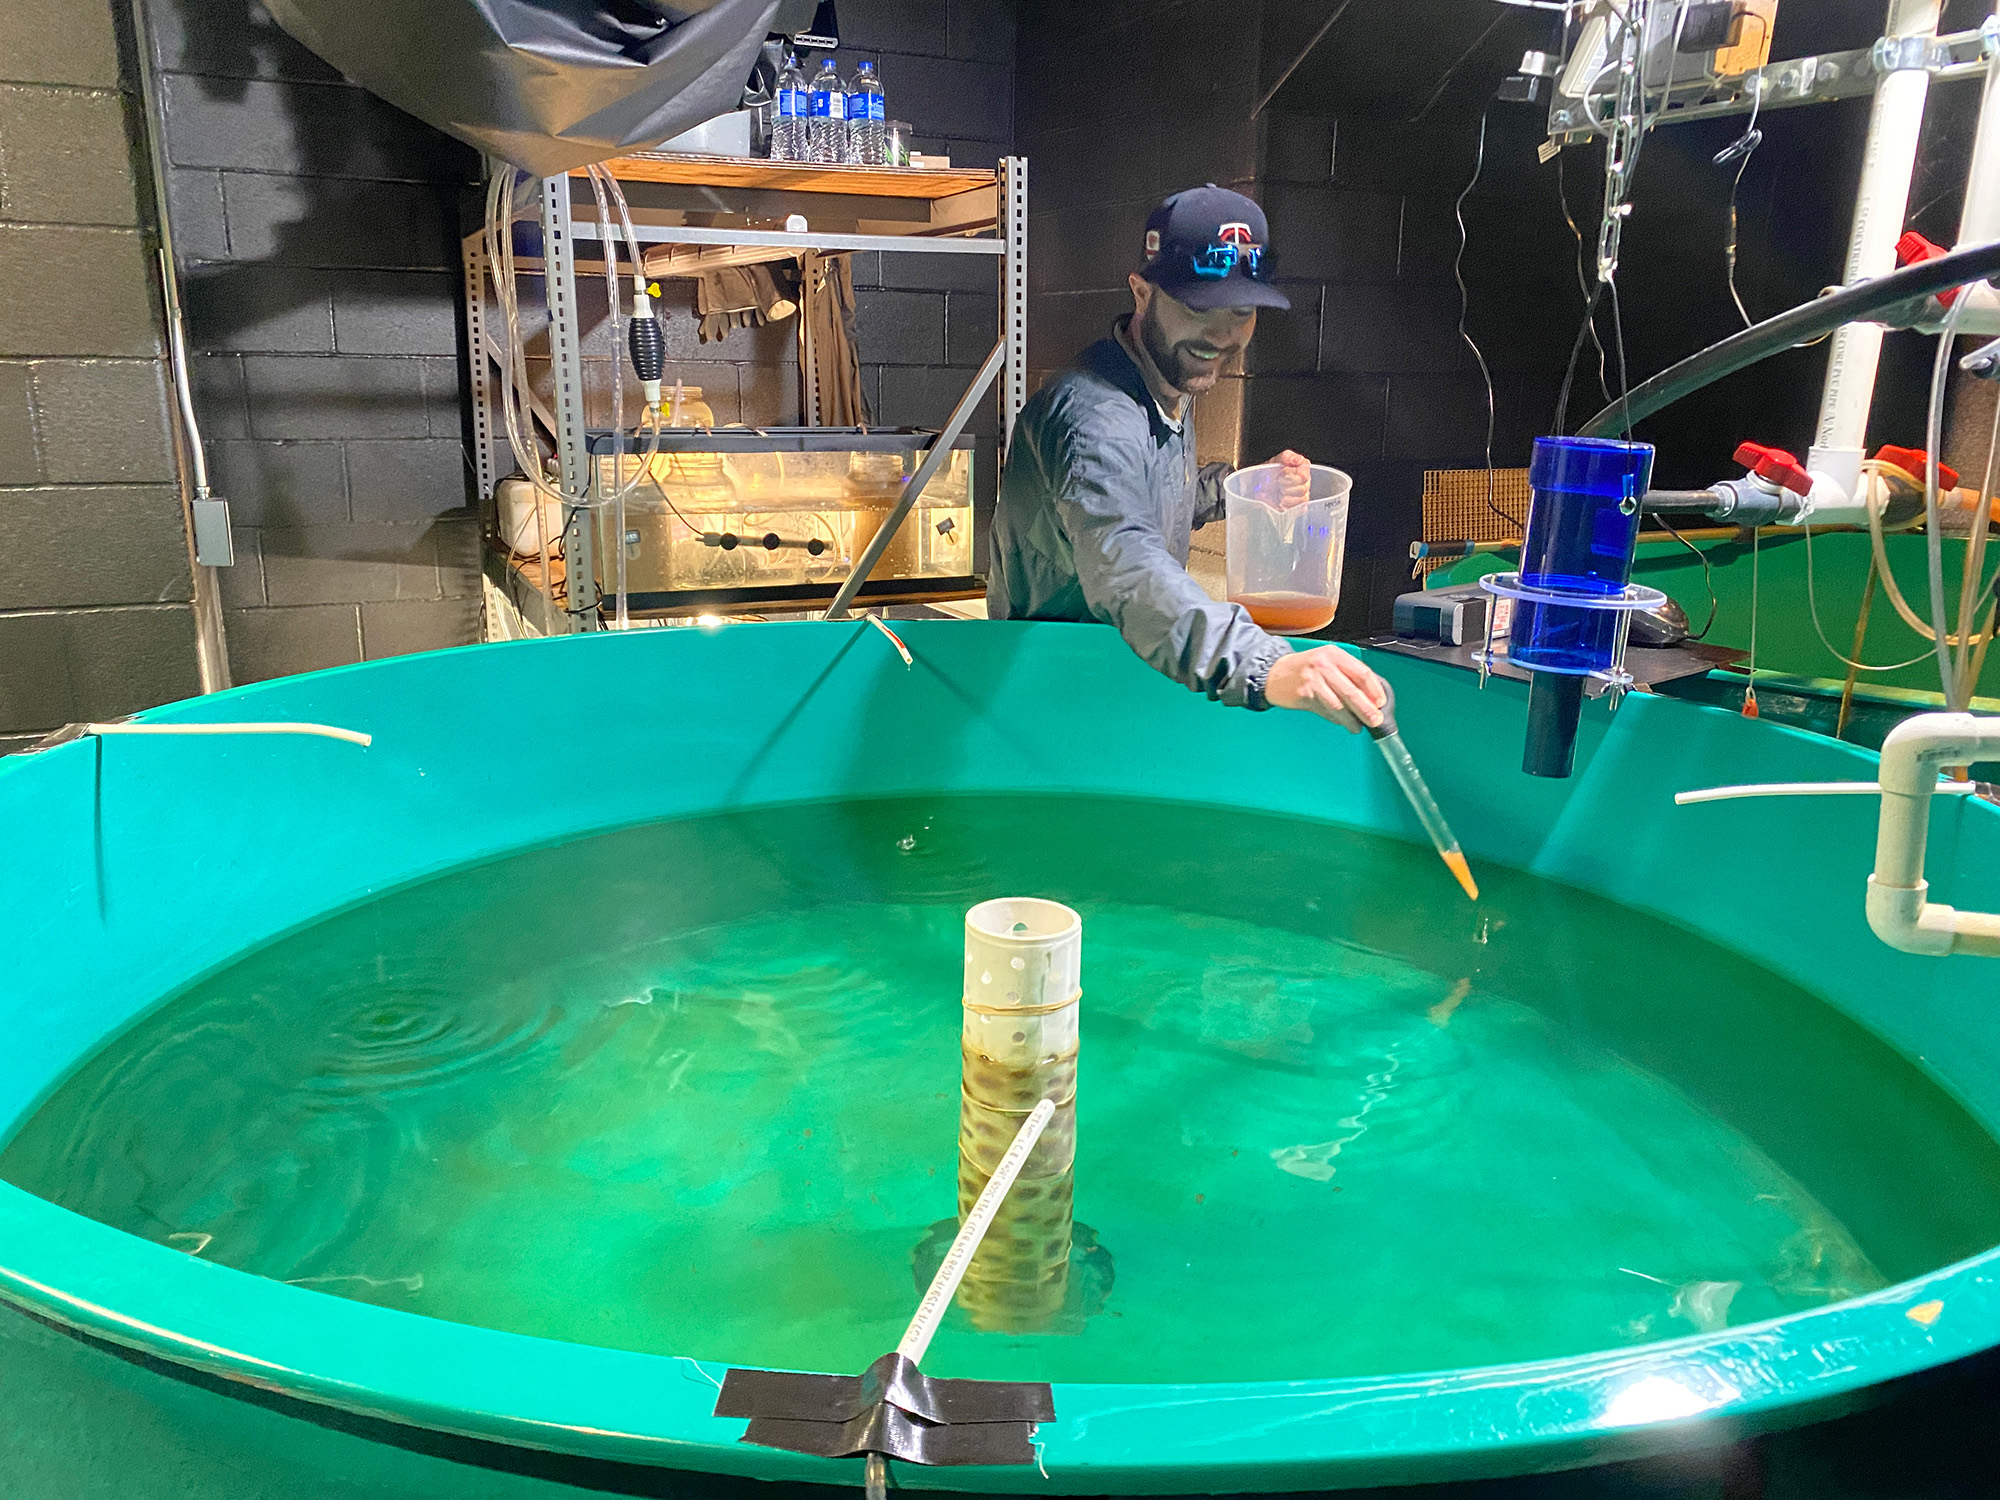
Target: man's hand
x,y
1330,683
1294,478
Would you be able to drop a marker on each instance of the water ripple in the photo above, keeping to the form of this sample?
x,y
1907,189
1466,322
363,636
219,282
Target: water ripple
x,y
417,1039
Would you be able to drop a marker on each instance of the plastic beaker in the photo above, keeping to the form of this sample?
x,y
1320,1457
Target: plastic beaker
x,y
1284,560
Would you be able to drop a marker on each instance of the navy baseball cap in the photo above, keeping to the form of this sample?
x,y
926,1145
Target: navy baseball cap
x,y
1207,247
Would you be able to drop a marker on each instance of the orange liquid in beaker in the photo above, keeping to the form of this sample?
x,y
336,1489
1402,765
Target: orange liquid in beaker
x,y
1287,613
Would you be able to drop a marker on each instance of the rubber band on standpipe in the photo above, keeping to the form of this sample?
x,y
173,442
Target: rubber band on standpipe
x,y
1024,1010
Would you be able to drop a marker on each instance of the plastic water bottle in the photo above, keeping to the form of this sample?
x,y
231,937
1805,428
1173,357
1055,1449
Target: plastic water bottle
x,y
826,128
867,119
788,136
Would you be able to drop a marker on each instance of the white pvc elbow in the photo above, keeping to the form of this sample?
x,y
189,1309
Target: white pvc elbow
x,y
1899,910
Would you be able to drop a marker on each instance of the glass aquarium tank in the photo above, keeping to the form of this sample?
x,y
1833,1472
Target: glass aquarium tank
x,y
746,516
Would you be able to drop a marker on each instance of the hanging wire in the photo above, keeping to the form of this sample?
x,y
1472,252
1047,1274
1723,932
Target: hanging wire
x,y
1933,527
1586,292
1740,151
1625,173
1464,308
1972,587
1451,72
1707,576
1624,380
1812,602
1756,579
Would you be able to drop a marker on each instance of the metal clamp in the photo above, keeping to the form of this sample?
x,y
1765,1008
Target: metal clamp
x,y
1632,598
1896,54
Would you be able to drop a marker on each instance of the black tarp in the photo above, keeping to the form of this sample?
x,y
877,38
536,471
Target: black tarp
x,y
545,84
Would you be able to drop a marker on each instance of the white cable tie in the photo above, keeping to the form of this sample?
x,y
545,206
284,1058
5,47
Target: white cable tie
x,y
323,731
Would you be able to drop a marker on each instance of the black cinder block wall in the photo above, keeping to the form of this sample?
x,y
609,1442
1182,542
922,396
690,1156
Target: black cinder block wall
x,y
317,230
1121,103
924,323
1365,151
95,579
1360,159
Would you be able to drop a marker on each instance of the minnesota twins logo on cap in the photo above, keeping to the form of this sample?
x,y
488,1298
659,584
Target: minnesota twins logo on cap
x,y
1207,247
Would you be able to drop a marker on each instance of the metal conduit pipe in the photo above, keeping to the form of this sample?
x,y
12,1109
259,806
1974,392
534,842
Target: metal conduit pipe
x,y
1898,908
1795,326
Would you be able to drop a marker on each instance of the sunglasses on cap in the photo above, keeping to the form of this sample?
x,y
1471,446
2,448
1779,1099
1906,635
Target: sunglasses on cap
x,y
1219,259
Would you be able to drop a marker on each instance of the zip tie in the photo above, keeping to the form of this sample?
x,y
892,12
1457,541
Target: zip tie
x,y
323,731
1821,789
894,640
1038,1460
687,1360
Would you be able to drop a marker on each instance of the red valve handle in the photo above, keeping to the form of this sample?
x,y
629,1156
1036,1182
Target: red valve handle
x,y
1913,460
1913,249
1776,465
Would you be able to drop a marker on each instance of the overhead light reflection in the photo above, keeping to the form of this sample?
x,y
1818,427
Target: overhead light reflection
x,y
1654,1398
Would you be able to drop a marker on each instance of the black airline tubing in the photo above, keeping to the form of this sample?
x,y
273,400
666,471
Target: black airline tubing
x,y
1775,335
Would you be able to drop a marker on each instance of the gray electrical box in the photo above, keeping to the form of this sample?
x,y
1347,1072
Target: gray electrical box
x,y
1454,616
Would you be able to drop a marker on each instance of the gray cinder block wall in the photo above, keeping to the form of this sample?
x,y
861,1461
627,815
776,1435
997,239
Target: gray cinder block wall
x,y
94,572
317,230
923,323
1121,103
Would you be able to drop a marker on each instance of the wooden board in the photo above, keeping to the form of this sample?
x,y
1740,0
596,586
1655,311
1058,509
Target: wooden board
x,y
794,177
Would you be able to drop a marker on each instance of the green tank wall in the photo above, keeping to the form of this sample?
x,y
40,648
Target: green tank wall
x,y
136,865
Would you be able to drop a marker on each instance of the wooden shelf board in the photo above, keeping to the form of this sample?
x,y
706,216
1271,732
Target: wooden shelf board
x,y
795,177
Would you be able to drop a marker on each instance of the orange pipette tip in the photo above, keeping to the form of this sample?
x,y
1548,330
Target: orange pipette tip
x,y
1455,862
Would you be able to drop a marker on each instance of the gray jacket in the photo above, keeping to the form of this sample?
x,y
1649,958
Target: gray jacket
x,y
1096,509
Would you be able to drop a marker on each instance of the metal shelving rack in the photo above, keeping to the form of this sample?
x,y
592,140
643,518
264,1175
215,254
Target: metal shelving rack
x,y
710,211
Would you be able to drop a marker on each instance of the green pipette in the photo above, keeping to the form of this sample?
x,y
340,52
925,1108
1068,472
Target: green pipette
x,y
1390,742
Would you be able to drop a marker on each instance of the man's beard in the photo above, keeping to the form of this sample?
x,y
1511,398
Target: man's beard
x,y
1180,368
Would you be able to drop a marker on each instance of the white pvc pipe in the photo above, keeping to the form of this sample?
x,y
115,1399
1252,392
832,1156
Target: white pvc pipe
x,y
1881,202
1898,908
1979,220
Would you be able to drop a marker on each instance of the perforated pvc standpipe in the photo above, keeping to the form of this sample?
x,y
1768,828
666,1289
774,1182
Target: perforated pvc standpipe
x,y
1023,971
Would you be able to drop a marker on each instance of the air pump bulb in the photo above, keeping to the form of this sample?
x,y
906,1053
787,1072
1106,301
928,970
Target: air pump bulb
x,y
1390,742
649,345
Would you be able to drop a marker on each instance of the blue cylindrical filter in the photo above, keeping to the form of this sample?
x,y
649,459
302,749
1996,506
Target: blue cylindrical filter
x,y
1583,527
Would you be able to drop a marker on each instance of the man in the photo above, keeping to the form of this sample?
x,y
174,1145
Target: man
x,y
1101,494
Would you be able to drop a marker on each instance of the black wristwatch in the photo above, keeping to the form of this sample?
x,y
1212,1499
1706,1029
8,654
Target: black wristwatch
x,y
1253,687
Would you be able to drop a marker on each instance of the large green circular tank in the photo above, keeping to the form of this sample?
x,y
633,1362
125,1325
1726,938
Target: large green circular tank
x,y
137,865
